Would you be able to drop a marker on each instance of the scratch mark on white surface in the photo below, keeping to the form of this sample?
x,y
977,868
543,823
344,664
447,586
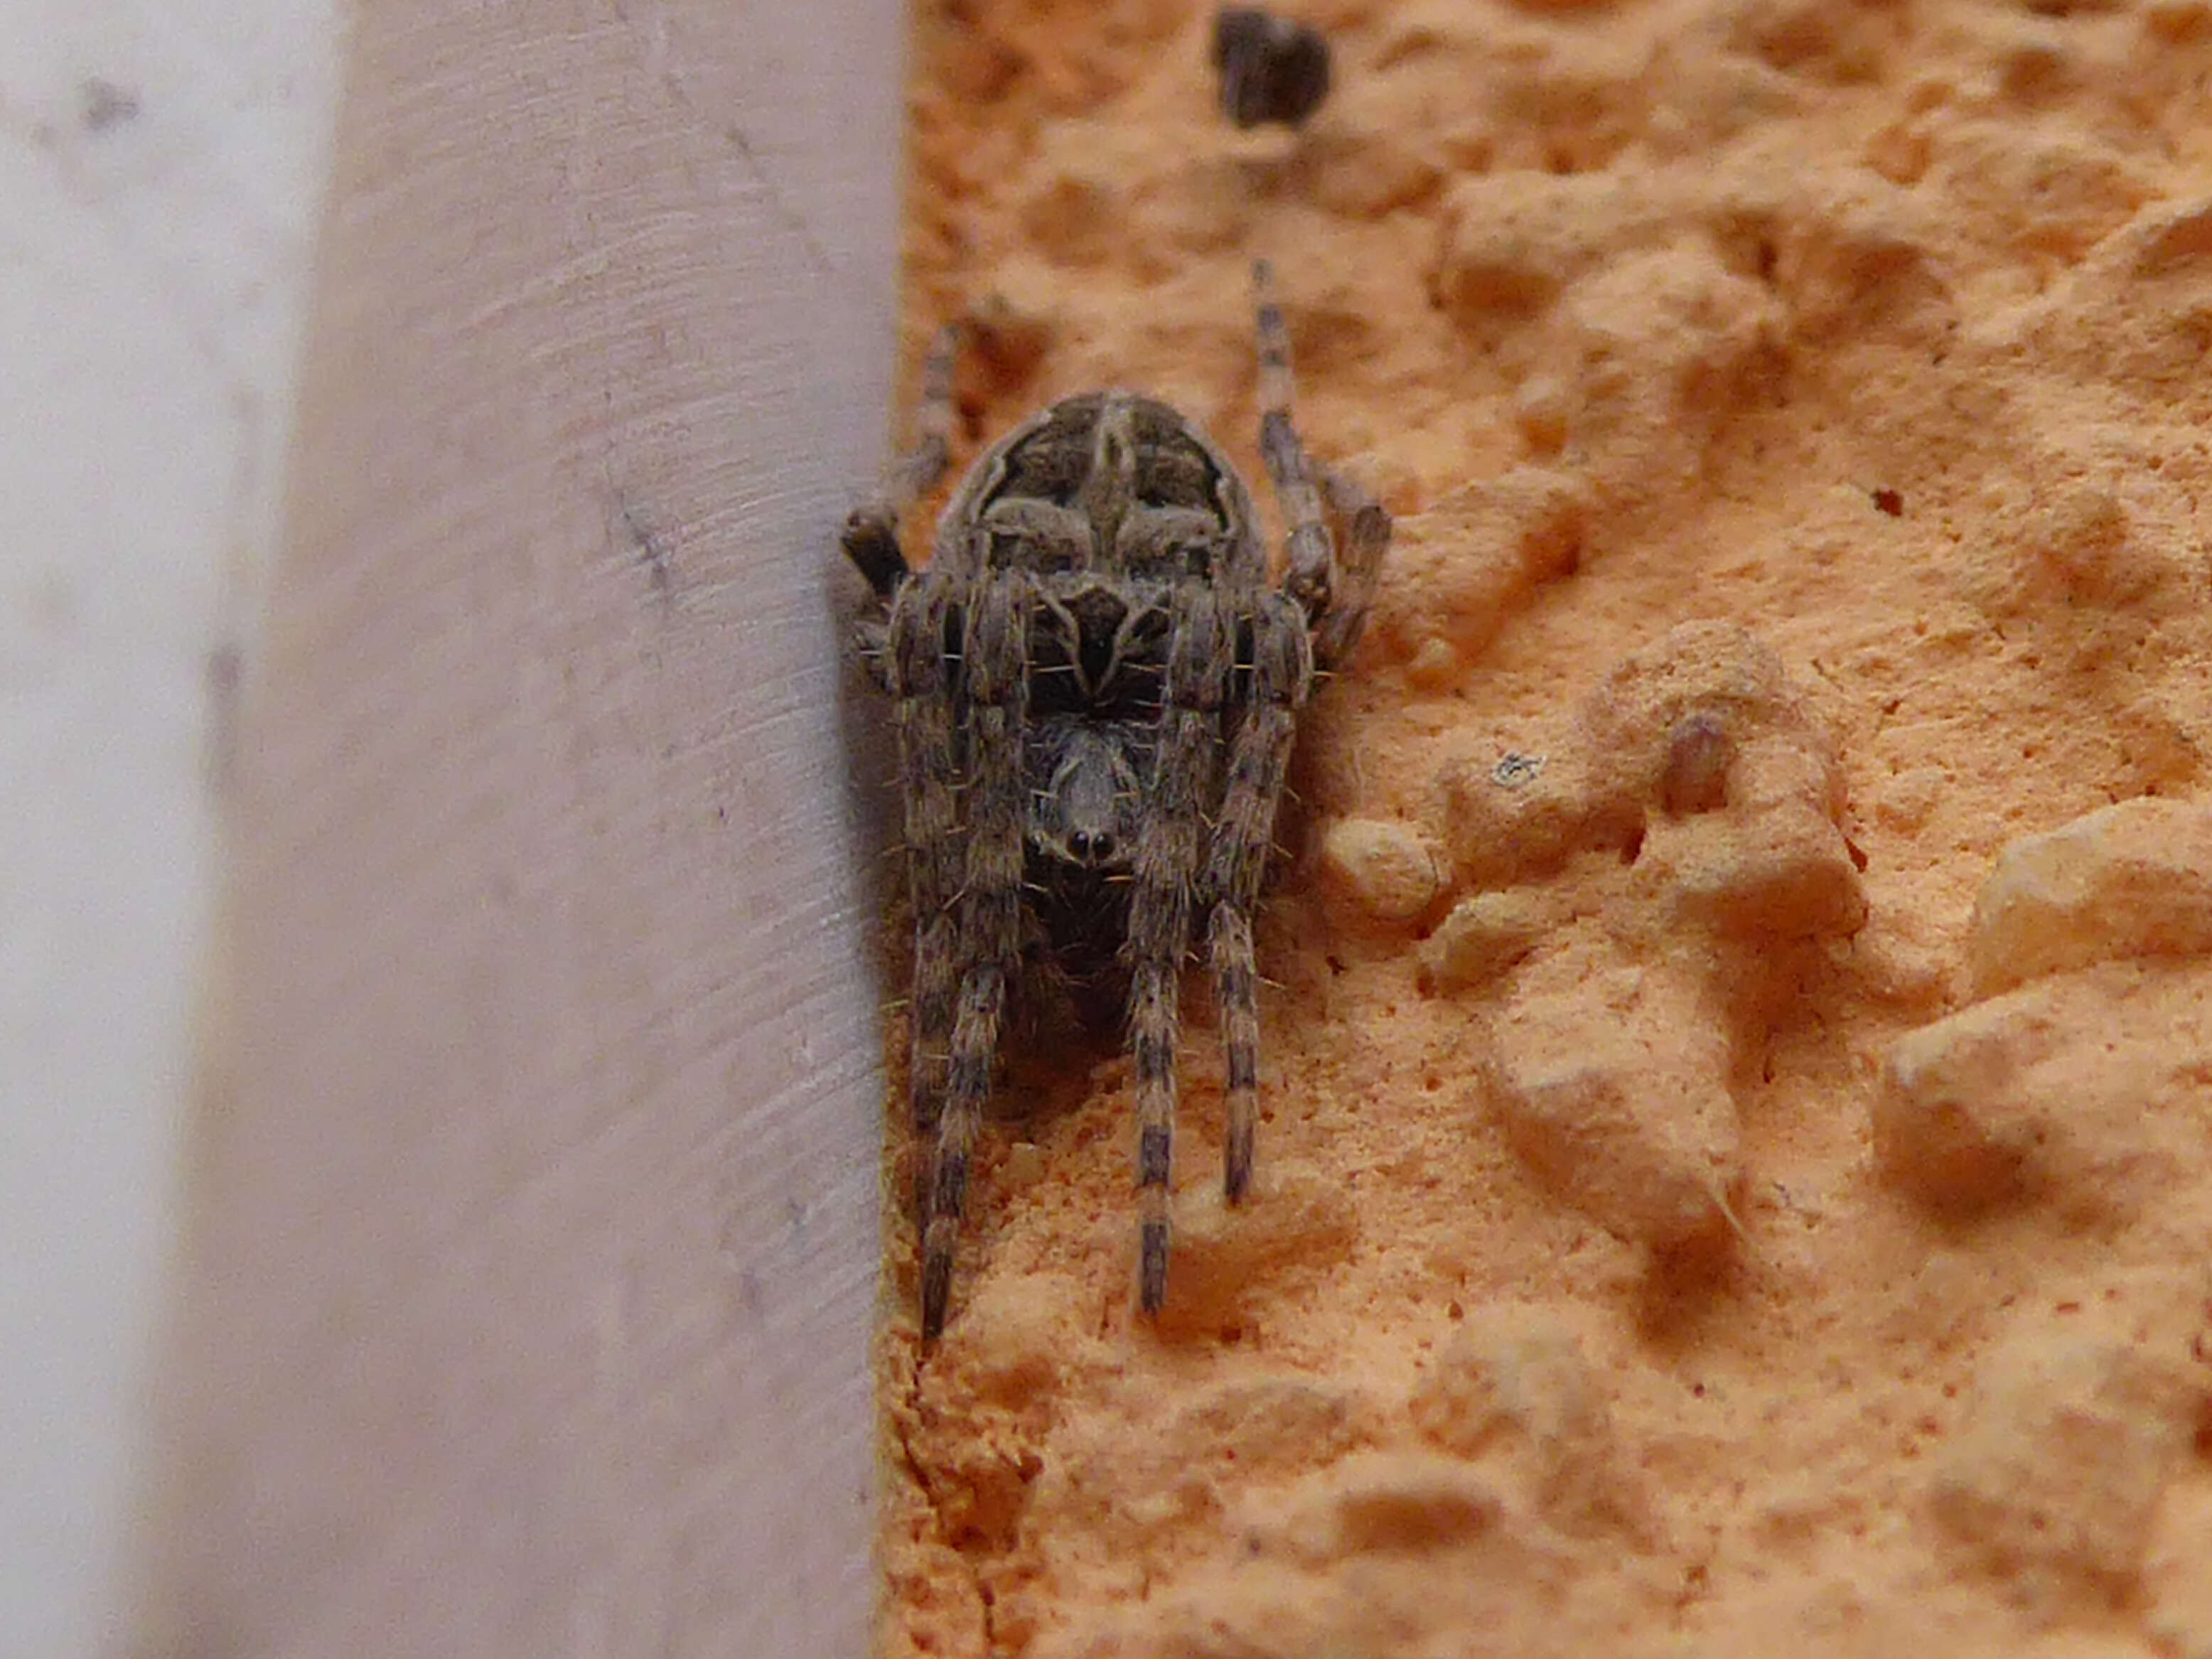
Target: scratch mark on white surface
x,y
554,281
629,527
653,44
793,219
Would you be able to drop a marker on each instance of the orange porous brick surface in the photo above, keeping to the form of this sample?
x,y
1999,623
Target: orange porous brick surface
x,y
1736,1174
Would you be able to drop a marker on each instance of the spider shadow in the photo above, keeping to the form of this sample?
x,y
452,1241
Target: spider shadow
x,y
871,786
1062,1046
1688,1292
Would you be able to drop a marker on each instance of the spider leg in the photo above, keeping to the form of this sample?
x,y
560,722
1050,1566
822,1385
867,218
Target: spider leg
x,y
1334,592
908,647
1167,861
1281,675
872,641
922,677
1310,566
994,657
1358,570
870,538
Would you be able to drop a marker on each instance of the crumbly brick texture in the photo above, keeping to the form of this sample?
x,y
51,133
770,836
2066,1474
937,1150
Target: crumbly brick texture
x,y
1735,1141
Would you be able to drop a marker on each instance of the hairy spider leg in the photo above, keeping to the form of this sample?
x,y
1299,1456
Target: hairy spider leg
x,y
924,682
1358,568
1279,677
870,538
996,664
905,646
1314,622
1309,566
1168,858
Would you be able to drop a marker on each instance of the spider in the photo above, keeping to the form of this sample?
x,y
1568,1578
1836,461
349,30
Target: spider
x,y
1095,689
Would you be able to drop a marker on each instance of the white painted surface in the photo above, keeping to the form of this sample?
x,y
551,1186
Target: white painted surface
x,y
532,1250
161,168
678,1400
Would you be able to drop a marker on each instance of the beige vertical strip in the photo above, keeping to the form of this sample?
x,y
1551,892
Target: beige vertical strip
x,y
532,1248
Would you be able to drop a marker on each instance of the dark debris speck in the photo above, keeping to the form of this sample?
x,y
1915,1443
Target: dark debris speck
x,y
106,104
1272,69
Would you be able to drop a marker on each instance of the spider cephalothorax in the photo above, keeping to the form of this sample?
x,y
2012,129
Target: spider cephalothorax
x,y
1095,690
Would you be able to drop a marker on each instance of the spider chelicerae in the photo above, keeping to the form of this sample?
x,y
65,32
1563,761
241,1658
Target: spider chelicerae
x,y
1095,687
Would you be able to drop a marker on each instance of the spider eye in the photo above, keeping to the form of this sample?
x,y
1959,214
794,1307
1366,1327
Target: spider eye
x,y
1091,847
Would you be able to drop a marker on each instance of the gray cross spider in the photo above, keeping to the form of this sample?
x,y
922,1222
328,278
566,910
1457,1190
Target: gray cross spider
x,y
1095,691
